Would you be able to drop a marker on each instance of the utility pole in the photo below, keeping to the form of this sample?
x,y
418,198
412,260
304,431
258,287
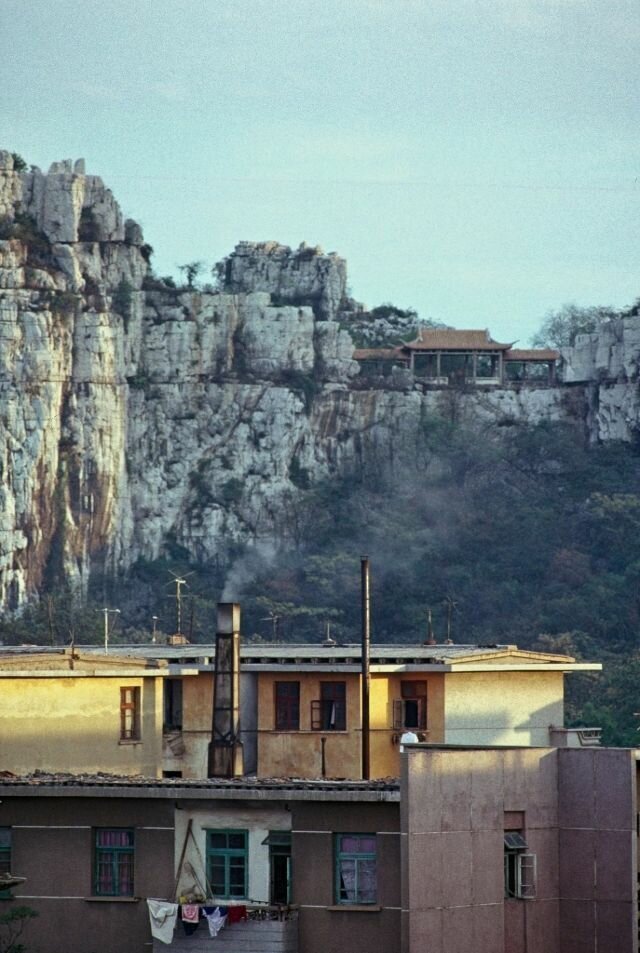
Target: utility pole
x,y
365,581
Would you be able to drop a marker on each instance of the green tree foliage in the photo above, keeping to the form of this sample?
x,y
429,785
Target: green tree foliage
x,y
19,165
12,926
560,328
529,535
191,271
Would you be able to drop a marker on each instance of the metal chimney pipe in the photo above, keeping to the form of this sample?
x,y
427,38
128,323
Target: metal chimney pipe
x,y
225,749
365,579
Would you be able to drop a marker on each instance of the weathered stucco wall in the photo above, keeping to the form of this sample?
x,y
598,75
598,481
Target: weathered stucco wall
x,y
258,821
576,810
502,708
73,724
299,753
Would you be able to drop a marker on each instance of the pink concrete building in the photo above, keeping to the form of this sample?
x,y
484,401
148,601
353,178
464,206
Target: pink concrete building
x,y
529,850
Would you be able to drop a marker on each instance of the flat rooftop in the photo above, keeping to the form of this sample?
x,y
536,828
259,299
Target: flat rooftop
x,y
344,657
45,784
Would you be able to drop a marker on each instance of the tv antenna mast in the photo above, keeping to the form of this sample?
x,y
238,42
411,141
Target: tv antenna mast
x,y
178,582
452,606
274,619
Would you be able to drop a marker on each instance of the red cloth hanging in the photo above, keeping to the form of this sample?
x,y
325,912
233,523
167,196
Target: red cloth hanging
x,y
237,913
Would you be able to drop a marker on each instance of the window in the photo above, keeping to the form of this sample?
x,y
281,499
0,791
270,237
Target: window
x,y
287,706
5,856
329,712
172,704
227,864
129,714
519,867
113,862
5,850
410,711
356,874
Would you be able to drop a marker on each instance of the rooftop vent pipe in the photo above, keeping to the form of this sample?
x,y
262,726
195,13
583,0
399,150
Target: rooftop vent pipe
x,y
225,749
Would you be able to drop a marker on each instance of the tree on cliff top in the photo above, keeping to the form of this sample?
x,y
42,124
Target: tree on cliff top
x,y
191,270
560,328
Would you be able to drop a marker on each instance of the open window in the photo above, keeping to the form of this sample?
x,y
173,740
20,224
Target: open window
x,y
519,867
329,712
172,705
279,843
410,710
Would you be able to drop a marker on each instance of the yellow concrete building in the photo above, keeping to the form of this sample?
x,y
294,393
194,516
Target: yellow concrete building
x,y
150,712
66,711
309,714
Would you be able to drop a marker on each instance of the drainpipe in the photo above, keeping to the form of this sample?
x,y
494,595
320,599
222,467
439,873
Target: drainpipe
x,y
366,676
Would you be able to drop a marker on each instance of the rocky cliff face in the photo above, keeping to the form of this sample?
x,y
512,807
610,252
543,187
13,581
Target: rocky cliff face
x,y
135,416
608,364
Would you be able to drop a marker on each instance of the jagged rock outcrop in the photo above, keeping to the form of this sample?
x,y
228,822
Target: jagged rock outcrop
x,y
135,416
306,276
608,363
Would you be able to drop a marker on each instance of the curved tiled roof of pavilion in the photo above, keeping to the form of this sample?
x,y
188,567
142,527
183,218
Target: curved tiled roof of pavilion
x,y
451,339
378,354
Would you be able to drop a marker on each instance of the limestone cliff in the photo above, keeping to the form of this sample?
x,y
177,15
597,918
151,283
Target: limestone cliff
x,y
607,363
136,416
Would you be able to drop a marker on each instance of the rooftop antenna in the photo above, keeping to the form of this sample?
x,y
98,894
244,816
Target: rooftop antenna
x,y
179,582
451,608
431,639
154,631
274,619
106,613
327,638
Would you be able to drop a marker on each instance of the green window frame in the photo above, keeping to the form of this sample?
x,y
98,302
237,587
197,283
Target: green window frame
x,y
113,862
5,858
356,874
228,863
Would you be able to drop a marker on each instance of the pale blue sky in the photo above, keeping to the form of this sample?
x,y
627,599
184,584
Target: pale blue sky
x,y
476,159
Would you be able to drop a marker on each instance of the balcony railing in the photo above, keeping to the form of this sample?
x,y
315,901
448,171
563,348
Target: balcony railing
x,y
268,929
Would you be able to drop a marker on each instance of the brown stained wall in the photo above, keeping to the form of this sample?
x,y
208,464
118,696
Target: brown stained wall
x,y
578,813
598,850
322,928
53,848
298,753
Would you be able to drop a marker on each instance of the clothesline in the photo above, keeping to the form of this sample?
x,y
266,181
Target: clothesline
x,y
163,916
